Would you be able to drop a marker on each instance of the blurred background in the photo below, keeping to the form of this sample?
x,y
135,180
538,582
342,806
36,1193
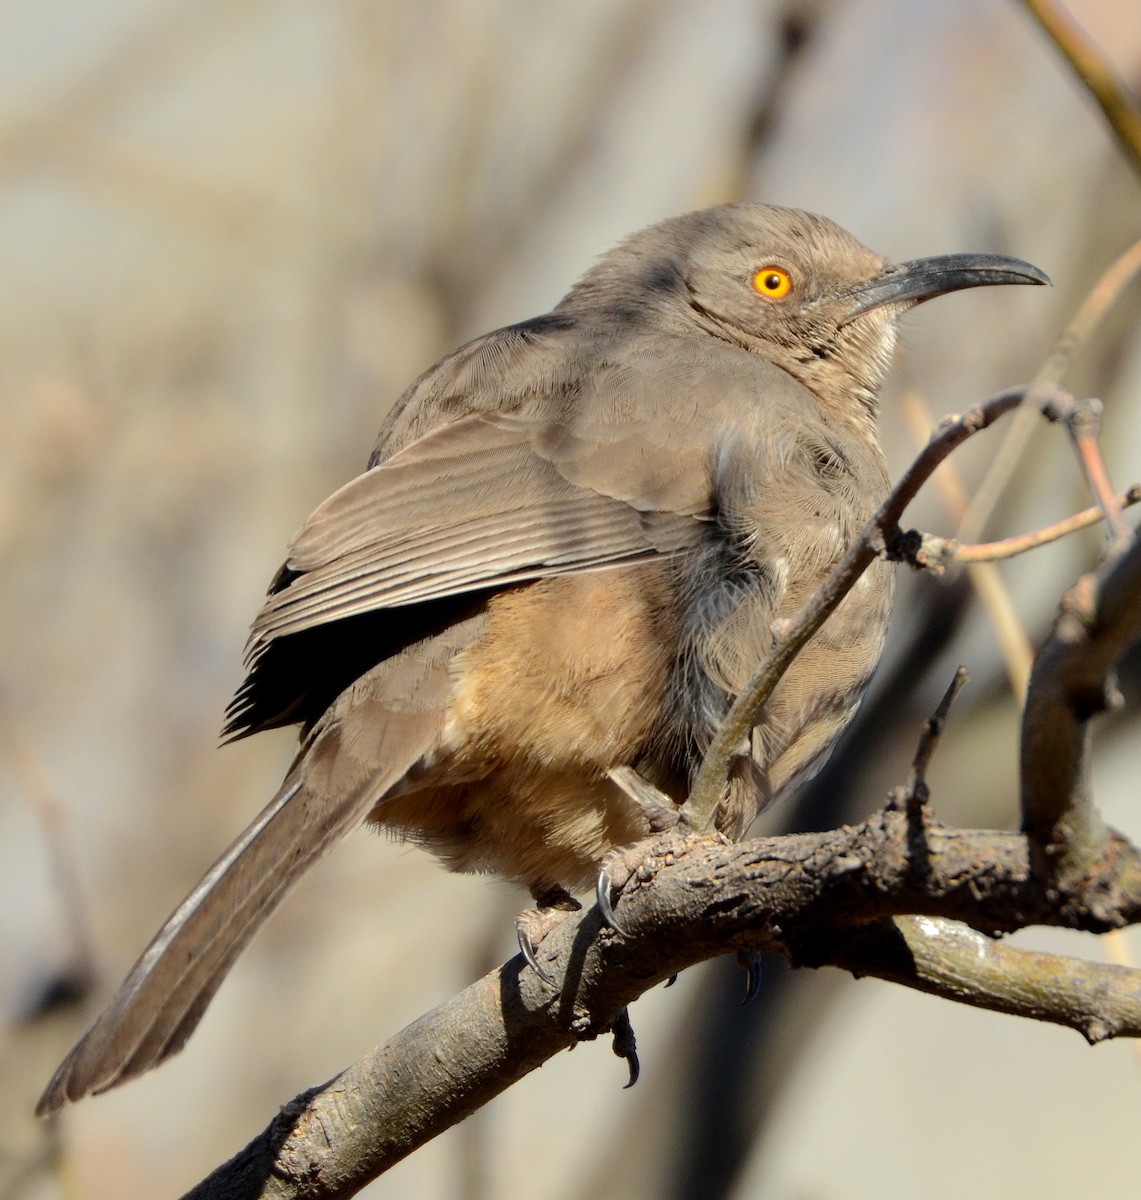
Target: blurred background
x,y
231,232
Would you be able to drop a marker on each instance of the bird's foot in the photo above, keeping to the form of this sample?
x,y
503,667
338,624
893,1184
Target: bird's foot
x,y
626,1045
661,814
602,887
623,1041
750,961
533,924
638,863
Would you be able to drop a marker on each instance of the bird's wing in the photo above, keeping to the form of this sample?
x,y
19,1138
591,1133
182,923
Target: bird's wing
x,y
491,474
480,503
606,465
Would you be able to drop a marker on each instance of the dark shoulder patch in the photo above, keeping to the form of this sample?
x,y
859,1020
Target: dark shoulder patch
x,y
548,323
662,277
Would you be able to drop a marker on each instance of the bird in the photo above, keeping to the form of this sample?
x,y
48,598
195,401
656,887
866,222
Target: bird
x,y
565,557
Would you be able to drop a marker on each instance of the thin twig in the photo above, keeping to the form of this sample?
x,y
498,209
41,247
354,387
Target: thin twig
x,y
932,731
1084,425
1095,71
1011,546
1104,293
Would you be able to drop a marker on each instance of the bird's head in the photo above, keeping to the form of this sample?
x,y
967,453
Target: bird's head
x,y
790,286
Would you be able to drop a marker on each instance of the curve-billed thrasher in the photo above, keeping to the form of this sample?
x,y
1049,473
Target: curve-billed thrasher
x,y
566,556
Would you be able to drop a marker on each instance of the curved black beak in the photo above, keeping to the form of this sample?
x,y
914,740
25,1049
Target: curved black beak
x,y
923,278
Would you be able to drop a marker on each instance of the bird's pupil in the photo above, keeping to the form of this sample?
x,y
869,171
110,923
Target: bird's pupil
x,y
772,282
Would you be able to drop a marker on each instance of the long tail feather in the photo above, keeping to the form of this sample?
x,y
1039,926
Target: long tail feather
x,y
167,991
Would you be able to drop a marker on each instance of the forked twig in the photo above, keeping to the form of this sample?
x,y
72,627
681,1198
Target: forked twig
x,y
1099,300
1084,425
1009,547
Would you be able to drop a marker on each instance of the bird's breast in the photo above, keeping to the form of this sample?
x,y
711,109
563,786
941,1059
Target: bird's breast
x,y
789,501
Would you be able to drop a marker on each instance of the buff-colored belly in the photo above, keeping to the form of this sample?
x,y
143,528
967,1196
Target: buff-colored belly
x,y
566,680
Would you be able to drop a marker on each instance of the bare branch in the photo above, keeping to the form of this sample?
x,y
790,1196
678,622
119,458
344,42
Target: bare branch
x,y
808,896
330,1141
1011,546
882,898
1096,304
1072,680
932,731
989,586
949,959
1084,425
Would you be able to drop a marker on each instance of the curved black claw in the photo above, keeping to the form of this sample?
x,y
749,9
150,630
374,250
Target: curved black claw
x,y
626,1046
602,892
750,960
672,980
527,949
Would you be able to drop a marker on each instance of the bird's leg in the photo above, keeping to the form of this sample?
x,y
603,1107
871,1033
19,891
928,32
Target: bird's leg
x,y
659,809
661,813
533,924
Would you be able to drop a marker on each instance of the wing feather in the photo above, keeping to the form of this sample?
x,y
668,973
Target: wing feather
x,y
575,454
472,506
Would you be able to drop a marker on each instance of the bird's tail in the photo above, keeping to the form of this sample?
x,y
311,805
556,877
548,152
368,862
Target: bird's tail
x,y
167,991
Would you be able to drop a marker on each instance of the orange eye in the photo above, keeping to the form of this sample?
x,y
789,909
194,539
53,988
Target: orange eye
x,y
774,283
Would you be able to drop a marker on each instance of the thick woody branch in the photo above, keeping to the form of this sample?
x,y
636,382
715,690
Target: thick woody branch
x,y
948,959
1072,680
814,897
